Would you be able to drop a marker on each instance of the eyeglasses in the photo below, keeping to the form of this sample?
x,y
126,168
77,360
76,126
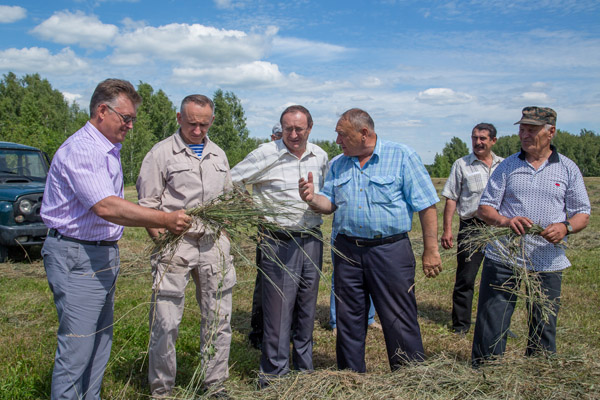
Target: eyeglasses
x,y
298,130
126,118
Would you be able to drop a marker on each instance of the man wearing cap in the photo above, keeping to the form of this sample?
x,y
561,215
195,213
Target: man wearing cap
x,y
462,191
537,185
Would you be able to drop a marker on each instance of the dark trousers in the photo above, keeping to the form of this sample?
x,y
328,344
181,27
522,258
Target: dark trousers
x,y
468,263
256,320
387,273
283,290
496,306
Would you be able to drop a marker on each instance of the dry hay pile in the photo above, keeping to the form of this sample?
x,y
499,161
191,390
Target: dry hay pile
x,y
443,377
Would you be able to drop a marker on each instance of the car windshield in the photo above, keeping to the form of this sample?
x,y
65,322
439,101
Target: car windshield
x,y
27,163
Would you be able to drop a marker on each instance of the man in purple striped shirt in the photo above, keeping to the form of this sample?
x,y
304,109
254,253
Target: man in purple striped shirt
x,y
85,210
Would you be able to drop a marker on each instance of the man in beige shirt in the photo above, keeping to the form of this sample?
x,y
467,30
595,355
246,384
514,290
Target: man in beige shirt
x,y
183,171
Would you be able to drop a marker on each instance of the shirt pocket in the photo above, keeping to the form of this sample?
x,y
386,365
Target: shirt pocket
x,y
176,171
381,189
221,168
342,190
475,182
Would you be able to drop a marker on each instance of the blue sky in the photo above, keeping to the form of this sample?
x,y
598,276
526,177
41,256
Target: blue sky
x,y
425,70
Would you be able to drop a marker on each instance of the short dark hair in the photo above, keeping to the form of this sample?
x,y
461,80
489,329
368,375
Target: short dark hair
x,y
108,90
295,109
484,126
358,119
199,99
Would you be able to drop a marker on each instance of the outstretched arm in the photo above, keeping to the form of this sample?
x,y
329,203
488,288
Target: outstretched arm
x,y
119,211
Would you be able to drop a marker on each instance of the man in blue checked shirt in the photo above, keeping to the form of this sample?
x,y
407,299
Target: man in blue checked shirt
x,y
374,189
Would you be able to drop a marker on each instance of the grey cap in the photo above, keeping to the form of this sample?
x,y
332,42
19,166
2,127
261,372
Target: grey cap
x,y
276,129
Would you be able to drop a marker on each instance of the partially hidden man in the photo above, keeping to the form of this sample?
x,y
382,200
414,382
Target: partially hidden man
x,y
187,170
374,189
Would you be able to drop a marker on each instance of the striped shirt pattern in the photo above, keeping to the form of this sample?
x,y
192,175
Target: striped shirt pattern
x,y
466,182
546,196
197,149
274,173
85,169
379,199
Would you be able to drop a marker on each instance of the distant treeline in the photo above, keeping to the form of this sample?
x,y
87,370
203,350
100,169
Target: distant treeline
x,y
584,149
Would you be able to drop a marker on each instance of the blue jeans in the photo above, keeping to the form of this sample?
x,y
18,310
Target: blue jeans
x,y
332,322
495,309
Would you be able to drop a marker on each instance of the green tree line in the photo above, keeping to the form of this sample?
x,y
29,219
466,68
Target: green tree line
x,y
35,114
583,149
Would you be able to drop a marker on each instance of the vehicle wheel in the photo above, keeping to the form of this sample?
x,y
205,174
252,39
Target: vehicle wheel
x,y
3,254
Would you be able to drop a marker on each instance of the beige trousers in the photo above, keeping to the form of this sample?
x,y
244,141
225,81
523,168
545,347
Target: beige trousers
x,y
210,264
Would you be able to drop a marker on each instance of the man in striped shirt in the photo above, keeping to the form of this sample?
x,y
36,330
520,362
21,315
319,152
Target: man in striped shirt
x,y
187,170
374,189
85,210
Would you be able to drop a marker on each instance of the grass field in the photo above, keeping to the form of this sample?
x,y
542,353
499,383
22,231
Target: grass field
x,y
28,336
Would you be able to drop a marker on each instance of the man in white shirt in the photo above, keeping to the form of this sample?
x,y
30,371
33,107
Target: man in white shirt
x,y
463,189
273,170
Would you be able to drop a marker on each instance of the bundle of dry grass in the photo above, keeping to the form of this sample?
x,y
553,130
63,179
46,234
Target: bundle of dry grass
x,y
511,247
443,377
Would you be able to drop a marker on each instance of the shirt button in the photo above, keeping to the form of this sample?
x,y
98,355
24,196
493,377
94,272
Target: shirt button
x,y
360,226
359,207
361,190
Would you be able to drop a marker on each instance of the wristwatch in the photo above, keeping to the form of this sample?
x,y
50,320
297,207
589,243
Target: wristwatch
x,y
569,227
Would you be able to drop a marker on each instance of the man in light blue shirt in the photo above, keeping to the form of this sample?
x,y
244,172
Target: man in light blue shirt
x,y
375,188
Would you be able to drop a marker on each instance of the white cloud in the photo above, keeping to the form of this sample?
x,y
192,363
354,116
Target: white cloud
x,y
130,24
40,60
76,28
194,45
443,96
10,14
71,97
259,73
230,4
307,50
371,82
533,97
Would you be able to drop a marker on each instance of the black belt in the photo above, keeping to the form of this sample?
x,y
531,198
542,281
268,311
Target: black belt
x,y
289,235
56,234
363,242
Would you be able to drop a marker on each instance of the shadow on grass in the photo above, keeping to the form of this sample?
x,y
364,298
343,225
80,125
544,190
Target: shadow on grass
x,y
435,314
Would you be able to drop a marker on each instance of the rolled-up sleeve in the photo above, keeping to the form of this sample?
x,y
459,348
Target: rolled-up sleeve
x,y
151,182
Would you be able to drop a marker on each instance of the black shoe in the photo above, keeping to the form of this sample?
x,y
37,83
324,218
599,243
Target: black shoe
x,y
255,340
